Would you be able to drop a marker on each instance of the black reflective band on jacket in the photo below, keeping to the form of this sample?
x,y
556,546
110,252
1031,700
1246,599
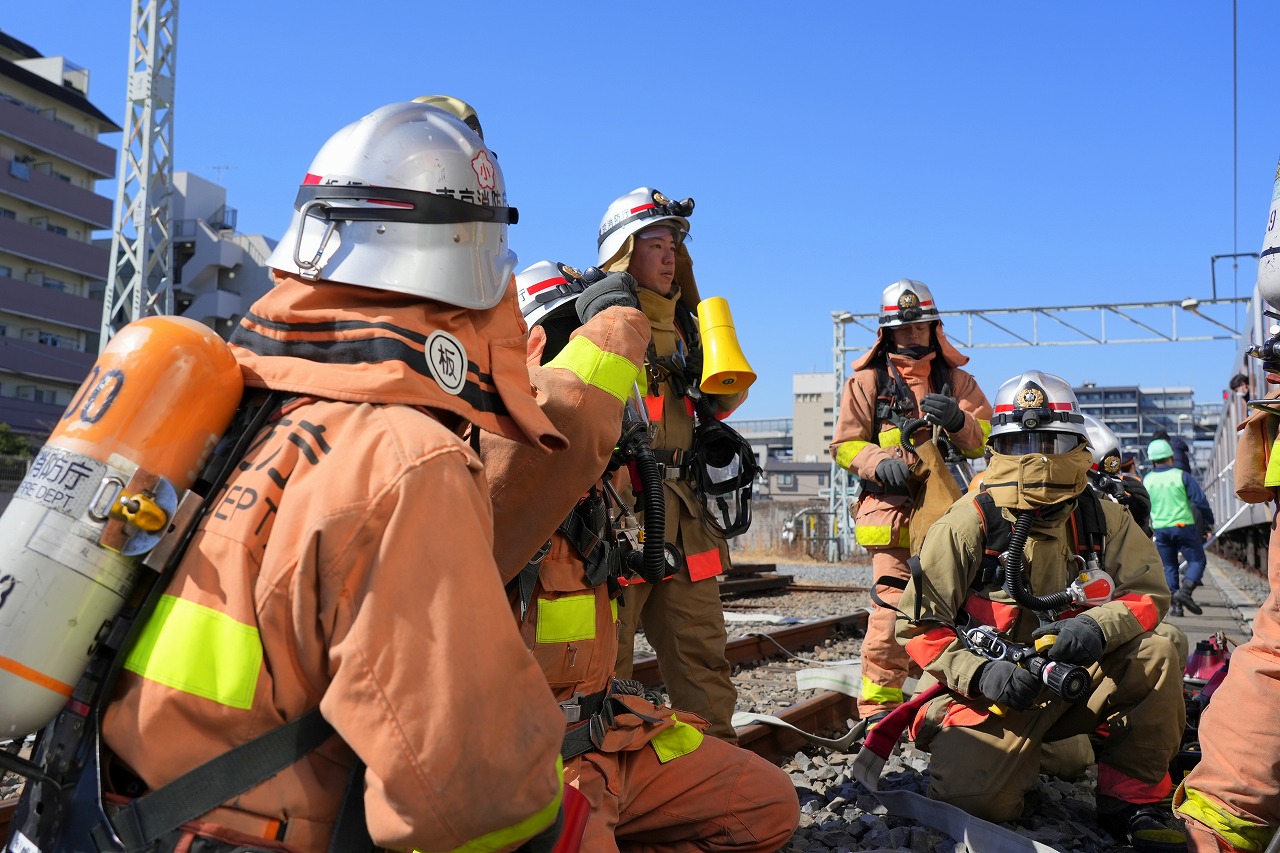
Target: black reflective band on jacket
x,y
368,351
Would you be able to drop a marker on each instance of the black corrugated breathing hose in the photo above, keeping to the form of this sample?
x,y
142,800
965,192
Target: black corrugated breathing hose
x,y
1013,581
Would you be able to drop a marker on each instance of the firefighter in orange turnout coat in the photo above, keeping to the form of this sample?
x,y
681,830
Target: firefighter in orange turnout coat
x,y
653,779
911,372
348,564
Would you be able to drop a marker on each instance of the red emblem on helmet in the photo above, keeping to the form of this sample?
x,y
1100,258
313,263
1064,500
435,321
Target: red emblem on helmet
x,y
484,170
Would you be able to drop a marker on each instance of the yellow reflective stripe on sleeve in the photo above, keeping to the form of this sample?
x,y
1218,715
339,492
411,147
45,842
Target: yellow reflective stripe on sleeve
x,y
613,608
563,620
1273,466
982,448
1239,833
881,535
890,437
503,839
845,452
198,650
607,371
872,692
680,739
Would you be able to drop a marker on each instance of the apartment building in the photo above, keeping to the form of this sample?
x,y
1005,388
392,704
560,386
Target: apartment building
x,y
1134,413
51,272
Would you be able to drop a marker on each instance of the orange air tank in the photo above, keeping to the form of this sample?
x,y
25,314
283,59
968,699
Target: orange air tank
x,y
99,496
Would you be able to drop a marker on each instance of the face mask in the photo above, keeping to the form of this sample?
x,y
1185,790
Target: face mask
x,y
912,352
1037,480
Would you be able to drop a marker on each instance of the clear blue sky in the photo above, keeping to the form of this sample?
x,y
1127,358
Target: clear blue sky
x,y
1006,153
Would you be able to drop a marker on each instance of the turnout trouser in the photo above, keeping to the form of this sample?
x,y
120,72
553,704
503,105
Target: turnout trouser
x,y
885,663
684,622
987,767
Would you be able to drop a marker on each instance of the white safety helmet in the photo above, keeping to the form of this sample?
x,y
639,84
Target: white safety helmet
x,y
548,291
1036,412
1104,445
407,199
907,301
640,210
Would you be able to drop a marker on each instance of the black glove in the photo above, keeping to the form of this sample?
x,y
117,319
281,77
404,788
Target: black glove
x,y
1080,640
943,411
893,472
693,367
1008,684
617,288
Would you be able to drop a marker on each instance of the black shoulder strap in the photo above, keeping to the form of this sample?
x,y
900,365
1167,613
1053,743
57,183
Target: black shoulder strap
x,y
996,532
1091,524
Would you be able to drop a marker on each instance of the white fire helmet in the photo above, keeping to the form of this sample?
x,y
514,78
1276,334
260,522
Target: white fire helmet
x,y
407,199
1104,445
640,210
907,301
1269,260
1036,412
547,291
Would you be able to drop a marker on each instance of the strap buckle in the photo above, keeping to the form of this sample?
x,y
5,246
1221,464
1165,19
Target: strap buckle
x,y
572,708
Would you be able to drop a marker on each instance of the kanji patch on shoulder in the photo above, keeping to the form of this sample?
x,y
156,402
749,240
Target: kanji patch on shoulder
x,y
447,359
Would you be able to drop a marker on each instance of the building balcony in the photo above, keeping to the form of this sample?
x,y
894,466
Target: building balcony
x,y
47,135
45,247
43,362
57,195
42,303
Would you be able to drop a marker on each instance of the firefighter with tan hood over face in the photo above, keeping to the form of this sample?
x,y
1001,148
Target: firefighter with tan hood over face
x,y
912,377
349,563
644,233
1038,556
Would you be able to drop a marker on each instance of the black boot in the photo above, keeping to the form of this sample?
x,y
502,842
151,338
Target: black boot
x,y
1183,597
1175,609
1146,827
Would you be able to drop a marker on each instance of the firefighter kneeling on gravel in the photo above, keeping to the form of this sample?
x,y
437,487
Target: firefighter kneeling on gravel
x,y
653,779
1074,568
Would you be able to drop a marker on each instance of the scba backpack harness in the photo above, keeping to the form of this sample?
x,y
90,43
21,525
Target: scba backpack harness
x,y
1088,528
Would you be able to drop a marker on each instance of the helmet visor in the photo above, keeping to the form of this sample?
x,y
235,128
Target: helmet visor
x,y
1042,442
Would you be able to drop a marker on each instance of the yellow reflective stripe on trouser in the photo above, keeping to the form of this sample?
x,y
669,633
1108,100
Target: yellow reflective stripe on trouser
x,y
680,739
846,451
529,827
881,536
607,371
872,692
1240,834
200,651
981,449
563,620
1273,466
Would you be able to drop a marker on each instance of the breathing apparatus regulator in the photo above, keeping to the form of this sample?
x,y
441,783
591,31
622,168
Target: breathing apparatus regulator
x,y
1037,414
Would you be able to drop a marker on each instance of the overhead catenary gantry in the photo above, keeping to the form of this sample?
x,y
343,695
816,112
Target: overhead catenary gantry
x,y
1063,325
140,281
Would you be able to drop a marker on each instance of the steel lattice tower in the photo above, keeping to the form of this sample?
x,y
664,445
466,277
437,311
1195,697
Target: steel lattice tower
x,y
141,279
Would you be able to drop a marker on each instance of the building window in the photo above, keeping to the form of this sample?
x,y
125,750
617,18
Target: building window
x,y
7,272
6,213
56,229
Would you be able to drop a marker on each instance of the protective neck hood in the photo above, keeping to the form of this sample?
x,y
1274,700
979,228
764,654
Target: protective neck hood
x,y
342,342
1034,481
950,354
661,310
684,271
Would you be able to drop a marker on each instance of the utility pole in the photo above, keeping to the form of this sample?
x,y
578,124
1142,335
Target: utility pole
x,y
140,282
